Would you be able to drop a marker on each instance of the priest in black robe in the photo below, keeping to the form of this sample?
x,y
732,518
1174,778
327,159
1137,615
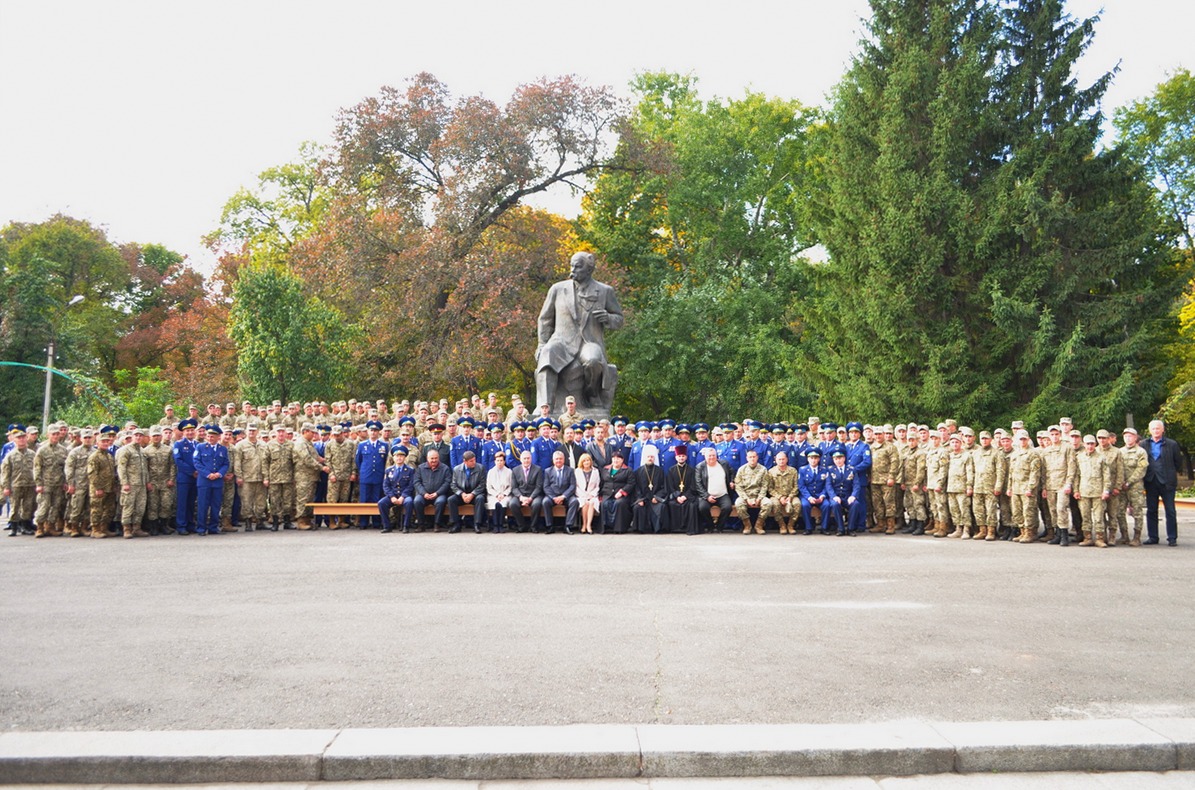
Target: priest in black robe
x,y
682,494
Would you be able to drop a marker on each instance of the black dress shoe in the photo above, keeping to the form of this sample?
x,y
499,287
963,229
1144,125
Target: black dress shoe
x,y
384,531
1150,542
1172,543
454,530
477,529
568,530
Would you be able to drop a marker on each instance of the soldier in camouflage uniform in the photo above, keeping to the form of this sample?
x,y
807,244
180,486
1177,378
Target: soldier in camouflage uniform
x,y
887,473
340,456
1024,487
49,479
101,479
1092,485
988,482
1115,507
782,491
1136,463
252,463
134,483
228,493
16,483
280,479
307,464
751,484
78,520
159,465
1056,485
1003,441
914,475
936,463
959,473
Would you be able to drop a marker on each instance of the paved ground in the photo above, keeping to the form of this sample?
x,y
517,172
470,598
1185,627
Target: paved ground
x,y
355,629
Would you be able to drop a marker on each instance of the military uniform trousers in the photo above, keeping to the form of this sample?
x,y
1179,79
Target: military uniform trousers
x,y
157,502
1060,509
1024,513
340,490
983,506
883,501
103,510
305,495
282,500
78,510
765,509
1004,502
51,505
1045,511
1135,496
227,501
939,504
1114,515
132,505
209,498
24,501
168,502
253,501
186,499
916,505
1092,510
960,511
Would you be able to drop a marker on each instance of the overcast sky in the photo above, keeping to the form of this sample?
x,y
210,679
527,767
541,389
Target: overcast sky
x,y
144,117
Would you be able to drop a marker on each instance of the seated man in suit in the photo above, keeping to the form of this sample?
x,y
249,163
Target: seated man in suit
x,y
527,491
559,486
433,482
714,483
468,488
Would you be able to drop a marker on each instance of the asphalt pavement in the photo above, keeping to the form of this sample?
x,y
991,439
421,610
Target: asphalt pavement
x,y
359,629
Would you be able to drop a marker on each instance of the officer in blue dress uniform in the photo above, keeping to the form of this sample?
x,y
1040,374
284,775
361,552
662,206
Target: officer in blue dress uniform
x,y
371,468
519,442
543,446
398,491
811,482
800,446
844,491
780,442
858,458
464,442
666,444
643,429
184,478
831,443
621,441
210,460
752,440
493,445
700,442
730,449
321,485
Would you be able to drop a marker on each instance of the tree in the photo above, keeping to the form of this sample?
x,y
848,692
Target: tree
x,y
704,236
986,260
1158,132
144,393
290,346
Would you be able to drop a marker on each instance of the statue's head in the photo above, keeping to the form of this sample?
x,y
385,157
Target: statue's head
x,y
581,266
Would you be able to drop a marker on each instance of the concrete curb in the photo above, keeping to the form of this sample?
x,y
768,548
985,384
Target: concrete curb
x,y
901,748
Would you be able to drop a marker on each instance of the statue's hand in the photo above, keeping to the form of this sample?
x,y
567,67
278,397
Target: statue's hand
x,y
601,316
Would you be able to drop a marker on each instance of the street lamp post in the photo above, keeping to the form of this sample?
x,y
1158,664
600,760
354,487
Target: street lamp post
x,y
45,409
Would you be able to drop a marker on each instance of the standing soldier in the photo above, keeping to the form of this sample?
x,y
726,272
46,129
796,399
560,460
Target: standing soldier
x,y
228,441
1024,487
307,464
1136,463
134,484
78,508
252,462
988,483
211,465
279,479
1092,485
936,463
342,471
49,480
101,479
370,458
185,481
886,474
1114,509
16,482
915,474
1056,489
159,464
782,490
959,472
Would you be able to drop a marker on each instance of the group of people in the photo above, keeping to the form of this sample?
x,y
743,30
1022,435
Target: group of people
x,y
425,467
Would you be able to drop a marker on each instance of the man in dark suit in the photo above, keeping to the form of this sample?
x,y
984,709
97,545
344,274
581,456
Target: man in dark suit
x,y
468,488
560,483
618,493
433,482
721,496
526,489
1161,482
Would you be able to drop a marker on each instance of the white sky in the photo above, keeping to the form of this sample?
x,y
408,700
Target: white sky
x,y
144,117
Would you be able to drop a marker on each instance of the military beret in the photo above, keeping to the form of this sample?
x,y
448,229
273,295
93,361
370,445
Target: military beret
x,y
374,425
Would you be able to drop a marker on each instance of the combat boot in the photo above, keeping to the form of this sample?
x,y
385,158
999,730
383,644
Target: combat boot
x,y
966,534
958,533
1136,541
304,523
1022,534
56,529
1030,535
1049,536
759,525
98,531
918,528
41,531
139,533
891,530
940,529
747,526
274,524
128,532
1100,543
991,534
1087,541
1057,539
1065,535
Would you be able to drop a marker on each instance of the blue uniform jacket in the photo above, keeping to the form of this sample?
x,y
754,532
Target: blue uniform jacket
x,y
184,459
812,482
371,461
209,459
399,481
844,483
542,450
858,457
461,444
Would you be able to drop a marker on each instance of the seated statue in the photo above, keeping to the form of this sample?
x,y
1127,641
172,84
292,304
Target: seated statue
x,y
571,355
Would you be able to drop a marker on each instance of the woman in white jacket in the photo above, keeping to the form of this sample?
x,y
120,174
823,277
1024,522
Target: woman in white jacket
x,y
589,485
497,491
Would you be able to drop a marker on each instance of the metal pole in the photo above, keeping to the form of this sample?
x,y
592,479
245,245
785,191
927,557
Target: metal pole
x,y
45,409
